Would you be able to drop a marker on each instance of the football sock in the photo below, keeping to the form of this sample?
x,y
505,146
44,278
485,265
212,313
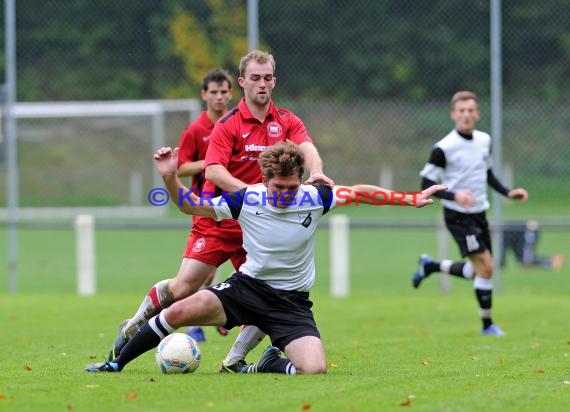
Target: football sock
x,y
544,262
158,298
147,338
430,268
459,269
277,365
248,338
484,293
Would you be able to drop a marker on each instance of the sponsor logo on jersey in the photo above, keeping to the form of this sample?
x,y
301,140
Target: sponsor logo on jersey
x,y
255,148
205,138
244,135
305,219
274,130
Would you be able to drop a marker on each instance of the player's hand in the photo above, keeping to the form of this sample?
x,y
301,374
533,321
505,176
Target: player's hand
x,y
518,194
166,160
319,178
423,199
464,198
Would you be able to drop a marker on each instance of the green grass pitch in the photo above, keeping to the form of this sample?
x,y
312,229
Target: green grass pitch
x,y
389,347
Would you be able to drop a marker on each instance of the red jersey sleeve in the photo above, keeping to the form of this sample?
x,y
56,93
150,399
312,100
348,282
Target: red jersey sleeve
x,y
187,147
221,146
298,132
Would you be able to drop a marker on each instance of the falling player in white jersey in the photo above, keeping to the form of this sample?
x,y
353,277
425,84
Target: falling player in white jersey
x,y
279,218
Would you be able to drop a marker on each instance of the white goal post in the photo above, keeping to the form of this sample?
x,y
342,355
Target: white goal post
x,y
156,110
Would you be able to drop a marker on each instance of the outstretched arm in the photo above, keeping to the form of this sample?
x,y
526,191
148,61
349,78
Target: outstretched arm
x,y
378,196
166,161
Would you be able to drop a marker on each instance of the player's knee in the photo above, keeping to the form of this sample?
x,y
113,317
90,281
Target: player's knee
x,y
486,271
183,287
165,292
187,283
312,367
176,314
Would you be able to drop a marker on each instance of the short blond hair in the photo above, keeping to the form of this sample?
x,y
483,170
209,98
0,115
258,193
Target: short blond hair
x,y
461,96
259,56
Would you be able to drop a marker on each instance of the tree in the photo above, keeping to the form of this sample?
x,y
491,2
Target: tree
x,y
207,38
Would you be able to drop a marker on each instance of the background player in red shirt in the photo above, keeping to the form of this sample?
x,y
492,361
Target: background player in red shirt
x,y
216,92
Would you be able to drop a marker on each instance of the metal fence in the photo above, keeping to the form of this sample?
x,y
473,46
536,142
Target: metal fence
x,y
391,68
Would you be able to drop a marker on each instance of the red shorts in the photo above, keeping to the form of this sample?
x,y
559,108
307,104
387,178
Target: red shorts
x,y
215,246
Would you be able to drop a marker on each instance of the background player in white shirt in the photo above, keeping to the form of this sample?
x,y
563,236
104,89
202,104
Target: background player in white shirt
x,y
462,160
279,218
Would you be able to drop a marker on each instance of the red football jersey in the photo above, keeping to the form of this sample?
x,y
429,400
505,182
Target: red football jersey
x,y
193,145
236,142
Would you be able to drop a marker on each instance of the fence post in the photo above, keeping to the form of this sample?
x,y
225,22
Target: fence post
x,y
339,255
386,176
136,188
85,254
508,175
443,253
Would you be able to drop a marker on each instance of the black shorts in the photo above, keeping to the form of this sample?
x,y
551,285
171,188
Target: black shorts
x,y
281,314
470,231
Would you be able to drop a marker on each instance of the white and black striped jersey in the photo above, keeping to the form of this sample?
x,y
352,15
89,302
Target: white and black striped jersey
x,y
462,164
279,242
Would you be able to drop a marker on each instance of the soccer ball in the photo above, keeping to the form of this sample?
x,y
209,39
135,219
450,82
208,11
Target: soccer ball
x,y
178,353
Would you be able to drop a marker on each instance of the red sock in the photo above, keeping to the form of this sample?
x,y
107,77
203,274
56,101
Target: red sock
x,y
154,298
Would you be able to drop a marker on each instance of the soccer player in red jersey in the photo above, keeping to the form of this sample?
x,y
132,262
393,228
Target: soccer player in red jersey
x,y
216,92
231,162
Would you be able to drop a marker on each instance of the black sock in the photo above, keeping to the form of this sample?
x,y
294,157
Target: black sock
x,y
277,365
486,322
144,340
431,267
456,269
485,299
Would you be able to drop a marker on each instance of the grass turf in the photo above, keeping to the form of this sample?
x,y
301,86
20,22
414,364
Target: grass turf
x,y
388,346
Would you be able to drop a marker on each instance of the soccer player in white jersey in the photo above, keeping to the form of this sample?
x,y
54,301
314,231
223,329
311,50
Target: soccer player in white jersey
x,y
462,160
279,218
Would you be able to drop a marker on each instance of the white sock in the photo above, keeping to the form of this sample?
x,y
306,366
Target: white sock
x,y
248,338
164,323
468,270
445,265
482,283
147,308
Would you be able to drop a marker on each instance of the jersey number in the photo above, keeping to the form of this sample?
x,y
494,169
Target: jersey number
x,y
472,243
221,286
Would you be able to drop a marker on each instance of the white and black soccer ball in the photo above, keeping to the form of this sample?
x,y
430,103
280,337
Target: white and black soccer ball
x,y
178,353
